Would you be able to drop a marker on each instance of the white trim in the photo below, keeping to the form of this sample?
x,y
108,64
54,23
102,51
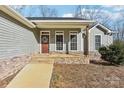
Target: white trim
x,y
63,40
11,12
45,31
76,32
100,37
89,47
80,21
40,39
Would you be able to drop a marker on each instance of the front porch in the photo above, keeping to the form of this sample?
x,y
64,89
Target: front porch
x,y
62,41
63,35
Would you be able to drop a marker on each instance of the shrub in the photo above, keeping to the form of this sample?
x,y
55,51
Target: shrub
x,y
113,53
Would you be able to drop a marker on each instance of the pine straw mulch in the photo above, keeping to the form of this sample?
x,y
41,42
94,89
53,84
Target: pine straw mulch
x,y
93,75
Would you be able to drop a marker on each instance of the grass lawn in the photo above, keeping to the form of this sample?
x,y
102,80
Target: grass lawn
x,y
87,76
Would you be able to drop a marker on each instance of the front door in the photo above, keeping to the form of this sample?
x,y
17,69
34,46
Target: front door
x,y
45,43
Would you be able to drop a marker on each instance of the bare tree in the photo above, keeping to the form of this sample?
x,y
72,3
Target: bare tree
x,y
18,8
120,25
92,13
43,10
97,14
46,11
116,28
119,29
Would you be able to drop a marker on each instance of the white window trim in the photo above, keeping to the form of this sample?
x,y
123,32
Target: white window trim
x,y
55,40
76,32
95,42
40,39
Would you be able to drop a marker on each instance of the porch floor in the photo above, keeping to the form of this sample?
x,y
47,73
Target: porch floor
x,y
61,58
55,55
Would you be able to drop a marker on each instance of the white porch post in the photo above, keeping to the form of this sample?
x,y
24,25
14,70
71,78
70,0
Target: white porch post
x,y
86,49
85,36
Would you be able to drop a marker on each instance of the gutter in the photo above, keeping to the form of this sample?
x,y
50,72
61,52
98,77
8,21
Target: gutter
x,y
62,21
11,12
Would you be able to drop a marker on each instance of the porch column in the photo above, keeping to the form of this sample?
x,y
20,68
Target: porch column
x,y
86,59
86,51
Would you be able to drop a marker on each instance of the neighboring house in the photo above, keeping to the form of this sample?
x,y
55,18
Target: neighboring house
x,y
22,36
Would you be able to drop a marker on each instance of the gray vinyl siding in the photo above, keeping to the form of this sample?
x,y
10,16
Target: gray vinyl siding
x,y
52,41
80,42
105,39
16,40
66,41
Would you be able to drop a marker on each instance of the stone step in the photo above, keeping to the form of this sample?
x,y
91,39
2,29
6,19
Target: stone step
x,y
41,60
56,57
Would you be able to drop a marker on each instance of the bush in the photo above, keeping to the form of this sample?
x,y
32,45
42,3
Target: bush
x,y
113,53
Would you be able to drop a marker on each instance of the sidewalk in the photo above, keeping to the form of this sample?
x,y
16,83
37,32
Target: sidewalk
x,y
34,75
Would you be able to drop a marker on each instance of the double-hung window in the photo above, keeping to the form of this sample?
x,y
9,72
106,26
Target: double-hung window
x,y
97,41
73,40
59,40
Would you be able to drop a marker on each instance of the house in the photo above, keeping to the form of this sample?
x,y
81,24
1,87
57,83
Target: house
x,y
23,36
99,35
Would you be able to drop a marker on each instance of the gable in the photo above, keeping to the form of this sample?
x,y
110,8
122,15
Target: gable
x,y
101,28
97,31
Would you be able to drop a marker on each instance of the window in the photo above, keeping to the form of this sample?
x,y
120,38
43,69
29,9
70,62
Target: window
x,y
97,41
45,33
73,40
59,40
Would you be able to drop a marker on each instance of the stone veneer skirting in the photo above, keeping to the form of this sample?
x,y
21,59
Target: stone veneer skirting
x,y
79,58
92,55
10,66
72,60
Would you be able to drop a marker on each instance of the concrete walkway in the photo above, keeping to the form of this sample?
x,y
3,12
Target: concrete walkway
x,y
33,75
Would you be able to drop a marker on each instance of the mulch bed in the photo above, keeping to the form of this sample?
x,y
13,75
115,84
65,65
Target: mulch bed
x,y
92,75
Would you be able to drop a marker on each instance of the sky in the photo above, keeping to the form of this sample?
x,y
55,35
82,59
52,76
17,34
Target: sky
x,y
115,12
68,10
61,9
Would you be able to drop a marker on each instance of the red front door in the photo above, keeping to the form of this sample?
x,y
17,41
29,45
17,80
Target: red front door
x,y
45,43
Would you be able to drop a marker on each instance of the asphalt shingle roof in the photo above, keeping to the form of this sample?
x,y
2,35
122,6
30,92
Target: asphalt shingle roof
x,y
54,18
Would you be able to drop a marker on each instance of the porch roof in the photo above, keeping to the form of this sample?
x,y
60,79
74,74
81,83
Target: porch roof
x,y
60,22
55,18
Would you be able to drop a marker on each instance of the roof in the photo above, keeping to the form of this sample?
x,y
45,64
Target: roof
x,y
60,20
101,27
11,12
32,22
54,18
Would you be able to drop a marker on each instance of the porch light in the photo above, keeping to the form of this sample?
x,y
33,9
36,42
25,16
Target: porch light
x,y
83,35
